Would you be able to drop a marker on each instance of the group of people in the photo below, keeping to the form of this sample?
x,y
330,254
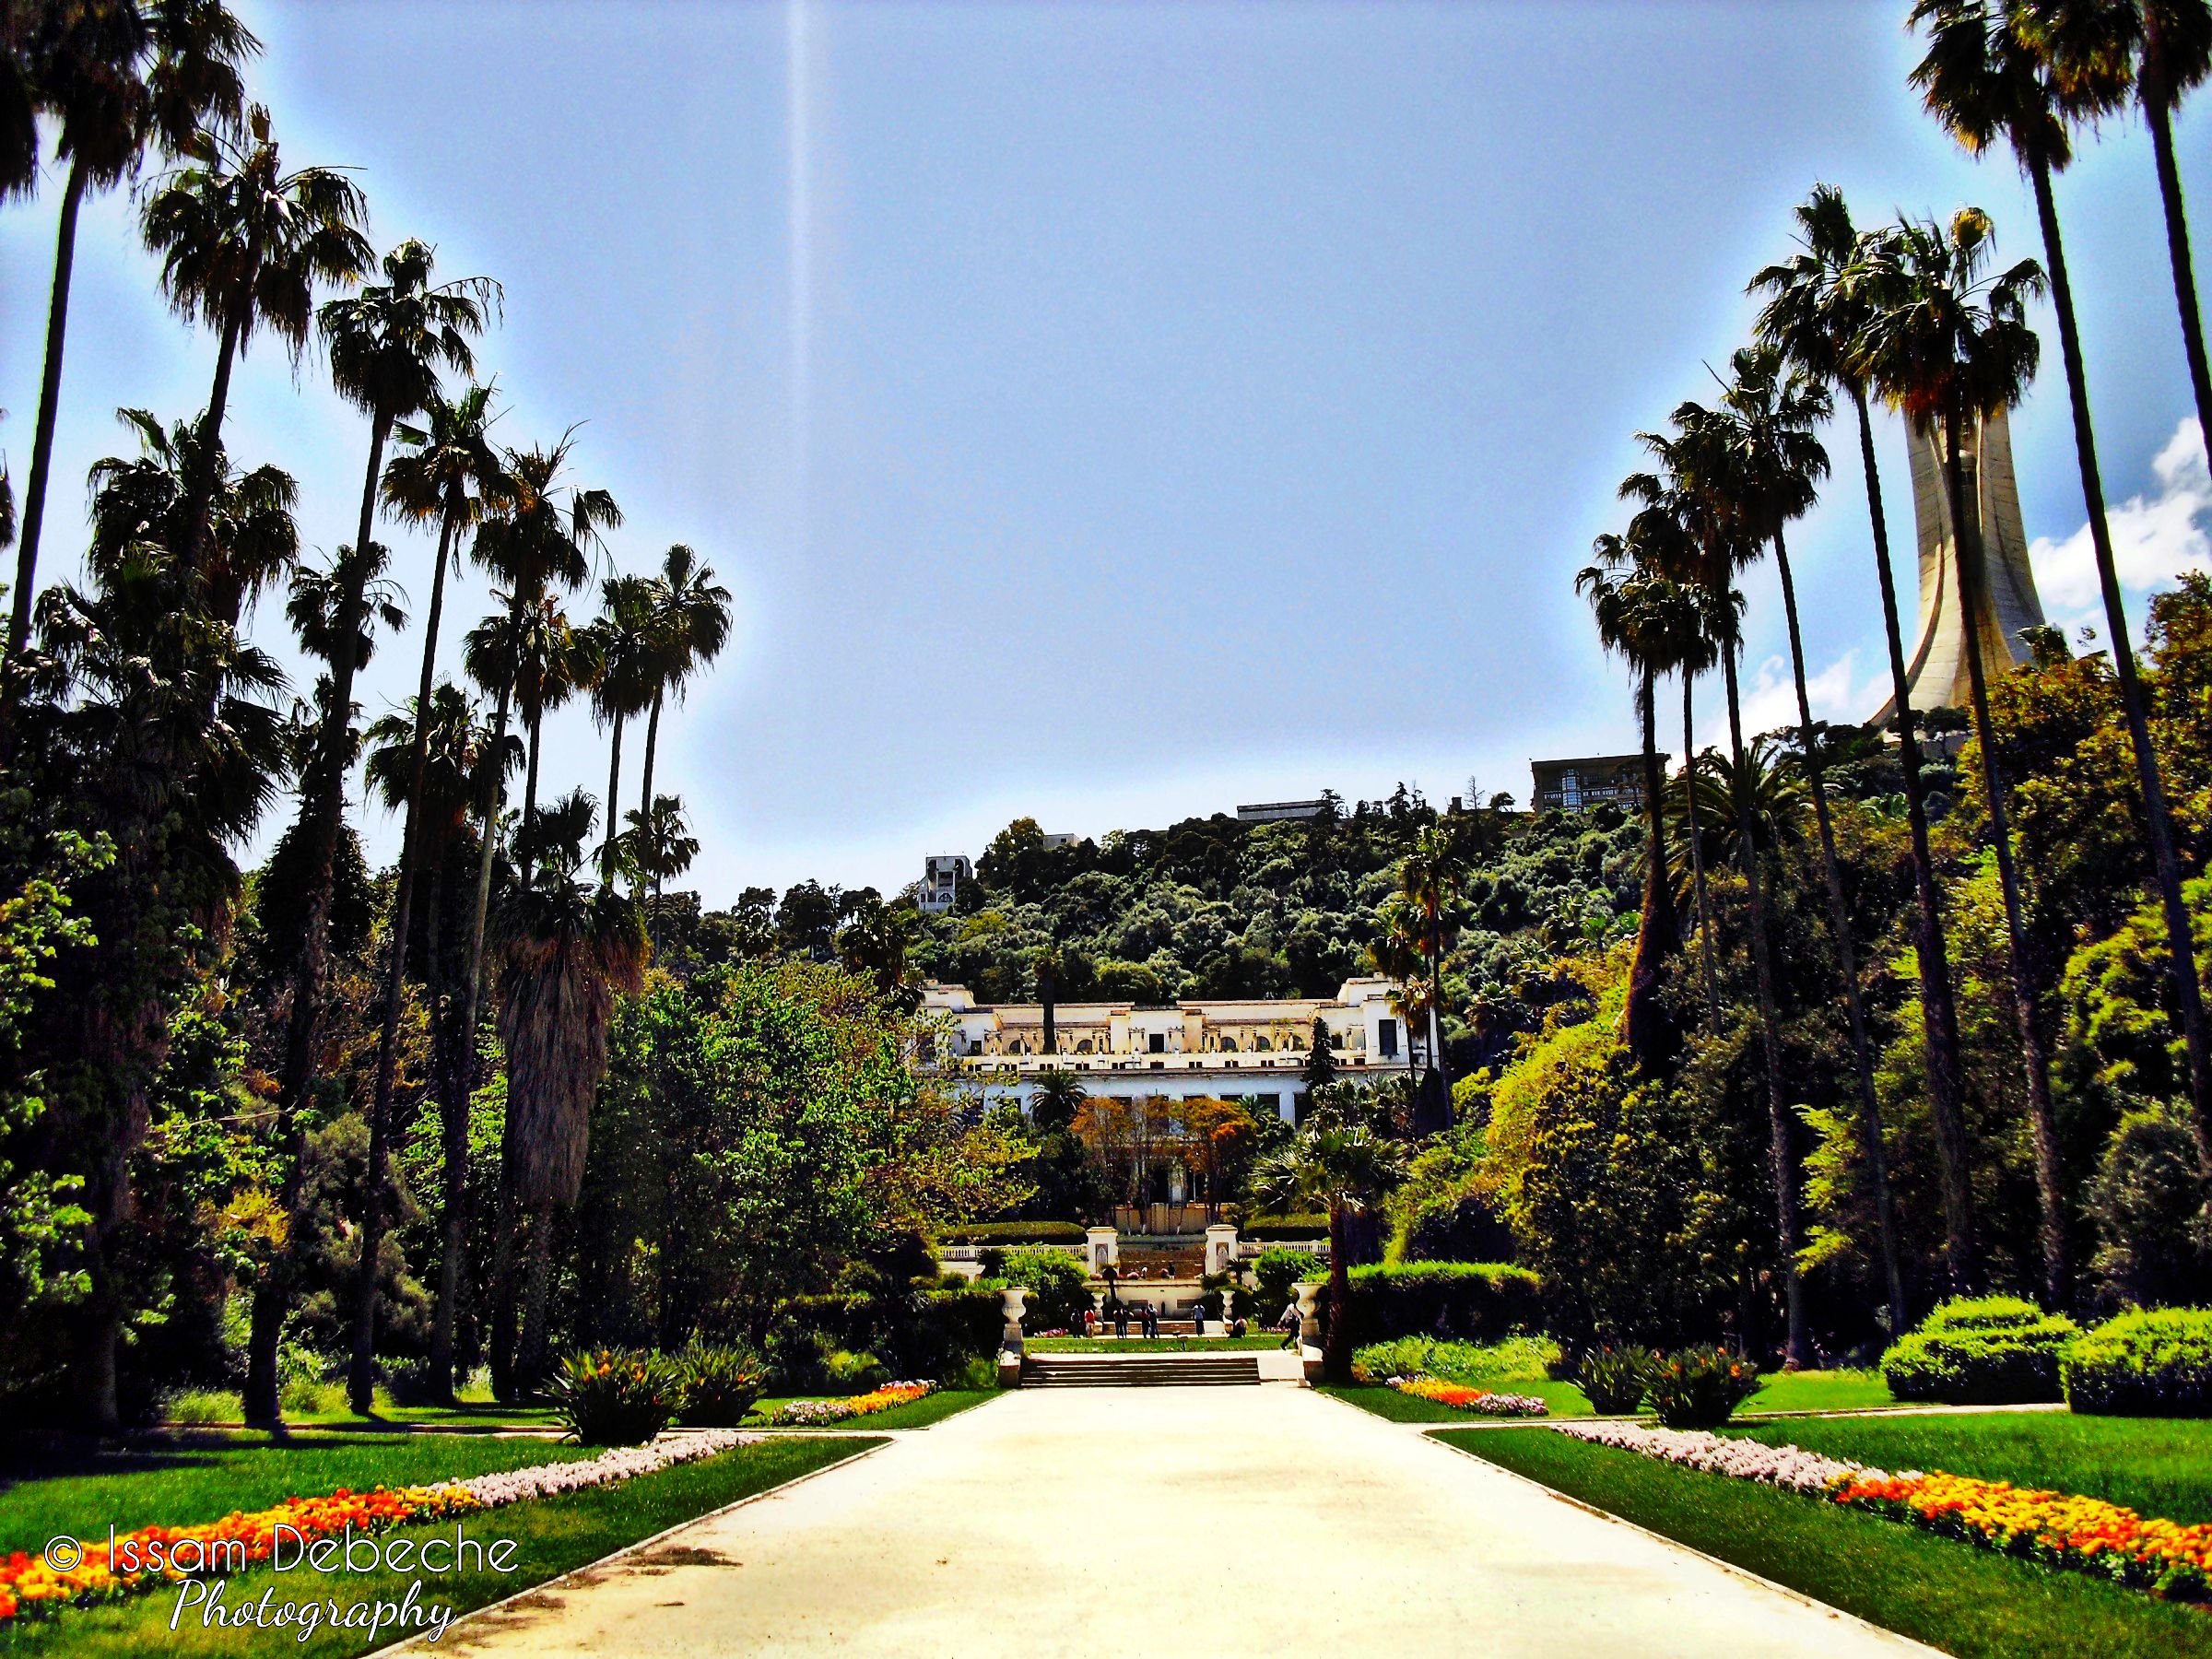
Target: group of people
x,y
1120,1316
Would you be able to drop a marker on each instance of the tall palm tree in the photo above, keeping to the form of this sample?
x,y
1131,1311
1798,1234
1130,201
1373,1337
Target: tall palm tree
x,y
1770,409
1702,653
566,950
661,845
1648,621
1701,489
535,659
448,470
1984,79
244,245
1950,344
1429,878
117,77
1347,1168
690,624
1814,311
629,667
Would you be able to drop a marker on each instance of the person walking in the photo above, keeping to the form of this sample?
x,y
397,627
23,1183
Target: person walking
x,y
1198,1319
1288,1324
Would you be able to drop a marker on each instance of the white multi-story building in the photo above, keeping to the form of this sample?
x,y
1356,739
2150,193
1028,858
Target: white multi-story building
x,y
942,874
1251,1050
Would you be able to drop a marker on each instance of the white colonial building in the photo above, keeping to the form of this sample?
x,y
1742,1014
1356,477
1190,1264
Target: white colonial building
x,y
1252,1050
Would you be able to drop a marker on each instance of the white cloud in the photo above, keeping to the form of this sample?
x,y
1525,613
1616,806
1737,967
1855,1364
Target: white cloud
x,y
2155,537
1835,692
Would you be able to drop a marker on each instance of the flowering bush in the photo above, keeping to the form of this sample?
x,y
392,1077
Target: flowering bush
x,y
157,1555
1698,1387
2084,1535
813,1413
617,1396
1463,1396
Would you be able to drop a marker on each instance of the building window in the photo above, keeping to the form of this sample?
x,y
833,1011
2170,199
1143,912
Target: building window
x,y
1386,1038
1158,1044
1229,1045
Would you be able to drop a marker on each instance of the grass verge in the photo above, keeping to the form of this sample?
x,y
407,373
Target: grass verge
x,y
919,1414
1947,1593
1821,1391
552,1537
2158,1466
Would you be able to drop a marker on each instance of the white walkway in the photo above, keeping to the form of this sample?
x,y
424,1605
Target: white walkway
x,y
1166,1521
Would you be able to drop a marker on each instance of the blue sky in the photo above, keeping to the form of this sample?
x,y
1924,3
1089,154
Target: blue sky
x,y
1113,412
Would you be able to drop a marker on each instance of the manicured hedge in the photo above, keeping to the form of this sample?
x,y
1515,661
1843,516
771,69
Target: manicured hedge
x,y
923,1335
1016,1232
2150,1363
1287,1227
1476,1301
1986,1350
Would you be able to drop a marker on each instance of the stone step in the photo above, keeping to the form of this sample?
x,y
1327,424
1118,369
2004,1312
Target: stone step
x,y
1150,1371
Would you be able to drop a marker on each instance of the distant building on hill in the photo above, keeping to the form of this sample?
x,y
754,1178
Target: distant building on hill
x,y
942,874
1585,780
1275,812
1250,1049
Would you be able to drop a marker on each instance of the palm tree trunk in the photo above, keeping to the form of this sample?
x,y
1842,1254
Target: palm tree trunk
x,y
1966,535
1643,1020
1336,1333
2188,993
323,811
530,1361
454,1199
1780,1153
2161,118
502,1280
653,744
1697,847
50,395
361,1376
1939,1010
1847,960
614,822
210,440
537,726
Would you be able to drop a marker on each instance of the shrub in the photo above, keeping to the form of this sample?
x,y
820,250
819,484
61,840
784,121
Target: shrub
x,y
978,1373
2145,1200
617,1396
1516,1360
311,1397
200,1406
1614,1378
1988,1350
1059,1289
2154,1362
1698,1387
721,1385
1017,1232
849,1373
1275,1273
411,1383
917,1333
1475,1301
1288,1226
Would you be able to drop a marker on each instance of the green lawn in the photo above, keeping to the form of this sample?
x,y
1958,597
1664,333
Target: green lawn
x,y
1565,1399
554,1535
920,1414
1947,1593
1821,1391
1144,1345
204,1477
2158,1466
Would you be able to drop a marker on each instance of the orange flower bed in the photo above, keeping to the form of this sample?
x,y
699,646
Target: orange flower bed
x,y
154,1555
2086,1534
1461,1396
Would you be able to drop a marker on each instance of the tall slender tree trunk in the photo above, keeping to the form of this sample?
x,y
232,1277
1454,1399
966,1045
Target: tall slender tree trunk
x,y
2188,992
2160,119
1847,960
652,745
1336,1327
202,491
614,822
1781,1154
1967,538
360,1381
538,722
530,1359
502,1279
1643,1019
1696,846
1939,1010
50,396
454,1200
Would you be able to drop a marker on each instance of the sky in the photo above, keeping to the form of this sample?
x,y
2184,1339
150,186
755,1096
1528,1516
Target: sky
x,y
1111,413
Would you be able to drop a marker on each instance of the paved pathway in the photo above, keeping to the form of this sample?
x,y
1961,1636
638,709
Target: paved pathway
x,y
1203,1521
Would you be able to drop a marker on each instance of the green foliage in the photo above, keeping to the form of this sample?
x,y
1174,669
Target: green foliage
x,y
1698,1387
1471,1300
1057,1287
918,1333
720,1385
1277,1227
617,1396
1514,1360
1016,1233
848,1373
1277,1270
1988,1350
2149,1362
1614,1378
2147,1199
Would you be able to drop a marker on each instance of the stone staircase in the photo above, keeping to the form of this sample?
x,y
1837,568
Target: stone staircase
x,y
1220,1370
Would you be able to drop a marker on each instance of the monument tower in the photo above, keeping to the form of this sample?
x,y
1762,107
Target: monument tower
x,y
1936,665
